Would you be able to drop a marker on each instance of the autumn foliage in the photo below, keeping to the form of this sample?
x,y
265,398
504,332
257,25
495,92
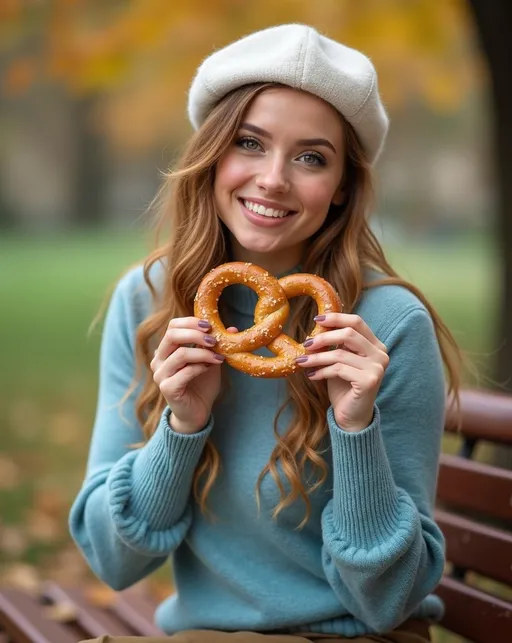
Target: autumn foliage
x,y
137,57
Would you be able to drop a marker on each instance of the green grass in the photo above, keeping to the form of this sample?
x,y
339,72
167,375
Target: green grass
x,y
50,290
461,280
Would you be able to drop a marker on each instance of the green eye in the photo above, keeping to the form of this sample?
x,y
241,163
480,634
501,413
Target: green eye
x,y
313,159
248,143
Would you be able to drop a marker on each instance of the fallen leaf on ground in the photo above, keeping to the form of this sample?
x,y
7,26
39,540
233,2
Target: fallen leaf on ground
x,y
41,527
10,474
13,540
61,612
25,418
65,427
100,595
22,576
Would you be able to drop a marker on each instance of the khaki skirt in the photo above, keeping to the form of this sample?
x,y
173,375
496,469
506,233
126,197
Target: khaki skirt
x,y
412,631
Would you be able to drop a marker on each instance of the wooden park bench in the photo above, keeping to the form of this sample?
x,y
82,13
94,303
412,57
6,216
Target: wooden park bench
x,y
474,511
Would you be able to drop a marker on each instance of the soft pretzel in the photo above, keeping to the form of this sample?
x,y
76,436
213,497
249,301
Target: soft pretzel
x,y
271,313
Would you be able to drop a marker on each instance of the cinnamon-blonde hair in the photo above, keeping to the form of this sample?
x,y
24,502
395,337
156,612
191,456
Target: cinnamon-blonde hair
x,y
340,251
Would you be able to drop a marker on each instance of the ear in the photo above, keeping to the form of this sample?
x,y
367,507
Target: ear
x,y
339,196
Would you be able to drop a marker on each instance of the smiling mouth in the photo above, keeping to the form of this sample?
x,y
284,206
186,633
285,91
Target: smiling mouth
x,y
266,212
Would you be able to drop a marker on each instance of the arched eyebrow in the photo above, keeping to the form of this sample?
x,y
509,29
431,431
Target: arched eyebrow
x,y
303,141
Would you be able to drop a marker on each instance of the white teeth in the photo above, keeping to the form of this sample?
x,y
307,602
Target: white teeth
x,y
266,212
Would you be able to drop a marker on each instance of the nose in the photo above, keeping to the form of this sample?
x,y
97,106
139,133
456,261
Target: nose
x,y
273,176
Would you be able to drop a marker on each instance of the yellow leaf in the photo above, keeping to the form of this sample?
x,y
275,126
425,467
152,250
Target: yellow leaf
x,y
13,541
100,595
22,576
10,474
61,612
19,76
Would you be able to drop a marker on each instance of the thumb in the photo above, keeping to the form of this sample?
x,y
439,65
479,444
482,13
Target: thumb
x,y
232,329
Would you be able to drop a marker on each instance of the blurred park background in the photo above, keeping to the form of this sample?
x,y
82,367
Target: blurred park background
x,y
92,109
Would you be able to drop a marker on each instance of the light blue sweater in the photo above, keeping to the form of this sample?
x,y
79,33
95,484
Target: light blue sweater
x,y
370,555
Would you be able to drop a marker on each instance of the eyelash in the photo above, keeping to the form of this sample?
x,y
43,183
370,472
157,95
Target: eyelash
x,y
320,161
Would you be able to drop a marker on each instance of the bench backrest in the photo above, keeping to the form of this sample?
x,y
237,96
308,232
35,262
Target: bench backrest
x,y
475,514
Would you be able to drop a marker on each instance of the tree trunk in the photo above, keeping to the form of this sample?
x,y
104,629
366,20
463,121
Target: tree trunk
x,y
89,206
494,22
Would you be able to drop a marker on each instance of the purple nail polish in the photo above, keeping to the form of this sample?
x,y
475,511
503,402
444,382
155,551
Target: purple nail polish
x,y
210,340
301,360
221,358
310,372
204,324
319,318
307,343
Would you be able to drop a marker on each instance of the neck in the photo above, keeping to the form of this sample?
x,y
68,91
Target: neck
x,y
275,263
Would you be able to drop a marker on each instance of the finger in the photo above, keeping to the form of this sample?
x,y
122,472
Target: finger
x,y
189,322
326,358
173,386
367,380
175,337
345,320
182,357
232,329
348,337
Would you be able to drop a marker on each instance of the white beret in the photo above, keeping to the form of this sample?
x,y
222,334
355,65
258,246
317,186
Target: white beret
x,y
298,56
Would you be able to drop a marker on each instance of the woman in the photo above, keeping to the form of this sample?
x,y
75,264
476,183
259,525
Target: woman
x,y
292,509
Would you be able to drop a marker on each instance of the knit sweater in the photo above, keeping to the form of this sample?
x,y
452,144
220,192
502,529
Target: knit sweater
x,y
370,554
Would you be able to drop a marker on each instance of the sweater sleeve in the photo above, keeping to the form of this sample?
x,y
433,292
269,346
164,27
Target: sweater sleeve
x,y
133,508
383,553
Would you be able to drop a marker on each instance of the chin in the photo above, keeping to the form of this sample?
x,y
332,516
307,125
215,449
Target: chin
x,y
262,246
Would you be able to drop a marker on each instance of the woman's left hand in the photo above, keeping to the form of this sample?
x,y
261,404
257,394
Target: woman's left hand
x,y
354,369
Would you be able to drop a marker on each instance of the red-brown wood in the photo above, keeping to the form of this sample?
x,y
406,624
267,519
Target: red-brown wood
x,y
474,485
477,547
484,415
137,610
22,617
474,614
94,620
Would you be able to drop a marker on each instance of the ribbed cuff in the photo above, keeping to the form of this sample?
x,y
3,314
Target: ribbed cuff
x,y
160,477
366,502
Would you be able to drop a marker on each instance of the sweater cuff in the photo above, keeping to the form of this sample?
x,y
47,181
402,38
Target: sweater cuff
x,y
158,481
366,503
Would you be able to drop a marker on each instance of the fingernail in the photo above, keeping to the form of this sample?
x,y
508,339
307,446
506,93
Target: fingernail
x,y
204,324
301,360
311,372
308,342
210,340
319,318
221,358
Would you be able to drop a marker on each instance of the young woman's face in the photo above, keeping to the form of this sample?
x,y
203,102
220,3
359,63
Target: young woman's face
x,y
274,186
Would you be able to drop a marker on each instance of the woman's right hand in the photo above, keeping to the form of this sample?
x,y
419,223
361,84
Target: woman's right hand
x,y
187,371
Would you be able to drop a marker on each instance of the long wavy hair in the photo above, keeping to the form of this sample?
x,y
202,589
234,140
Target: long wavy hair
x,y
187,227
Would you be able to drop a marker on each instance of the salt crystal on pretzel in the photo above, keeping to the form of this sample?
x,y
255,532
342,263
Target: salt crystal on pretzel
x,y
272,310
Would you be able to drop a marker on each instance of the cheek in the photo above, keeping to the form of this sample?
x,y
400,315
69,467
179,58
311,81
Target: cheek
x,y
318,195
231,174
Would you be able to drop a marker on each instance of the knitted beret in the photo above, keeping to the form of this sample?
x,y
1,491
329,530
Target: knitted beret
x,y
300,57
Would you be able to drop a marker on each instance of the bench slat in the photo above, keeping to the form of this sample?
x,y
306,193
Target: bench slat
x,y
474,614
137,610
94,620
477,547
24,620
485,416
474,485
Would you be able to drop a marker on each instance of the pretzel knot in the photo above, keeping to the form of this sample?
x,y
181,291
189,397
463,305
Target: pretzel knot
x,y
271,313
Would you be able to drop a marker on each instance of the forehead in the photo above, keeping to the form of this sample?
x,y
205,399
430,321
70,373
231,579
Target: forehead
x,y
283,109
